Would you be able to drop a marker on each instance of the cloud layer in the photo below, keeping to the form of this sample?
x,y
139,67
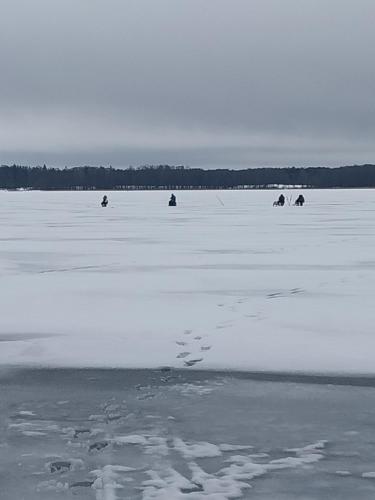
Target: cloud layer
x,y
206,83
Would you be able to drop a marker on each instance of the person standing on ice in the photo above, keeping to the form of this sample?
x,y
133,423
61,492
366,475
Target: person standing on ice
x,y
172,201
104,201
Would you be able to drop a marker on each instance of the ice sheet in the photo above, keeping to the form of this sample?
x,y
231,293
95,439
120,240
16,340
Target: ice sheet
x,y
289,441
223,280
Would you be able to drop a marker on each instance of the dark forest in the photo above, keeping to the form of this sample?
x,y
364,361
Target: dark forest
x,y
179,177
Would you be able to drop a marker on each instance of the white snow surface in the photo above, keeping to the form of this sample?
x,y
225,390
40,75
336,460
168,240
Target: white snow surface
x,y
223,280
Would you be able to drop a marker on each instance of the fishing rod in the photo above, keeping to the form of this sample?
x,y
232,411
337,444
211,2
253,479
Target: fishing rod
x,y
220,200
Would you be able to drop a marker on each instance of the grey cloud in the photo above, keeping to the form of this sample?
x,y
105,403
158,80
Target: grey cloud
x,y
197,82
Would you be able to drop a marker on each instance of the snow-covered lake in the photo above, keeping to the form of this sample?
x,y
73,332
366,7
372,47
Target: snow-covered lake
x,y
222,281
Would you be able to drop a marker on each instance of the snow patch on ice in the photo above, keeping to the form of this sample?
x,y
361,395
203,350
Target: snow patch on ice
x,y
369,475
306,455
36,426
131,439
311,448
196,450
192,389
151,444
33,433
52,485
229,482
234,447
26,413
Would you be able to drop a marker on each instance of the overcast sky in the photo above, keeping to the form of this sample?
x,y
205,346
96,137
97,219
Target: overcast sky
x,y
196,82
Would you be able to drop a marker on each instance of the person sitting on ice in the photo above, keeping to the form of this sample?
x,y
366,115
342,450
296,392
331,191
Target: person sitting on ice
x,y
300,201
104,201
172,201
280,202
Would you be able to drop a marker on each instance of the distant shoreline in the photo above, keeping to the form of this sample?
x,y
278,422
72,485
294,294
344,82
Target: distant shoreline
x,y
166,177
79,189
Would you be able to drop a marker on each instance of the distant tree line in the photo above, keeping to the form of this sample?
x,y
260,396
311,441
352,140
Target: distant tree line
x,y
179,177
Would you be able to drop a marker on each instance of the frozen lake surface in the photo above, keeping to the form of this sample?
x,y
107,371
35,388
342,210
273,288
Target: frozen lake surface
x,y
223,280
172,435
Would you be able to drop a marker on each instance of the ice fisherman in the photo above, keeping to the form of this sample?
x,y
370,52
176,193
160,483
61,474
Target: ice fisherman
x,y
300,201
172,201
104,201
280,202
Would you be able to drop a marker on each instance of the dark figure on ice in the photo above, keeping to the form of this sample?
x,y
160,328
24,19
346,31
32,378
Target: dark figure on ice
x,y
280,202
104,201
300,201
172,201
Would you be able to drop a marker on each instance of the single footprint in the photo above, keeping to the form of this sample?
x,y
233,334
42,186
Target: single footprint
x,y
79,432
294,291
98,446
60,466
205,347
180,343
192,362
183,354
197,337
82,484
224,325
258,316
